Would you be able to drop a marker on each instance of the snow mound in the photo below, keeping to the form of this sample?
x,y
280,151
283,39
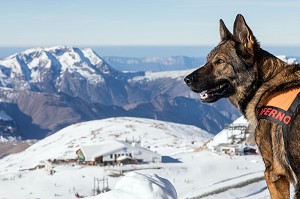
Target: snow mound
x,y
136,185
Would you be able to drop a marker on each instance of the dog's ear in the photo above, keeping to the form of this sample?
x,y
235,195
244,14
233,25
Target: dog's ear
x,y
225,34
243,34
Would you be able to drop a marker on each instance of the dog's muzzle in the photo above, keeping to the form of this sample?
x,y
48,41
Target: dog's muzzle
x,y
188,80
209,91
192,82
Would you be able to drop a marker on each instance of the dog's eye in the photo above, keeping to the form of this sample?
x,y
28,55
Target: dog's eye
x,y
219,61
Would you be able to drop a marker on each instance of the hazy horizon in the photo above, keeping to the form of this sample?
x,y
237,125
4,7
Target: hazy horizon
x,y
157,51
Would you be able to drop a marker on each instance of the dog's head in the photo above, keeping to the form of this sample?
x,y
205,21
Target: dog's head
x,y
229,68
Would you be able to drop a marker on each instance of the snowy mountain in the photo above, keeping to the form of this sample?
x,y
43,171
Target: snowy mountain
x,y
191,173
153,134
75,72
46,89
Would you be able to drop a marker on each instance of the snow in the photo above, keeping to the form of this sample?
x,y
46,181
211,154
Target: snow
x,y
288,60
92,56
196,174
4,116
162,137
7,139
222,136
109,147
136,185
151,76
33,65
187,169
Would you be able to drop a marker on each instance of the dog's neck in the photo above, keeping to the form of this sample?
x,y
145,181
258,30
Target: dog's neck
x,y
267,67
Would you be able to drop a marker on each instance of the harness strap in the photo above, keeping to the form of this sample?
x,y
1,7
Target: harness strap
x,y
275,114
281,108
295,104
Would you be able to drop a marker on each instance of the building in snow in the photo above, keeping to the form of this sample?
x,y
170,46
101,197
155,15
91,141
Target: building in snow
x,y
226,148
233,149
112,152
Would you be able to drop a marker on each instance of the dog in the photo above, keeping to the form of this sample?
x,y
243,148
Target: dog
x,y
255,81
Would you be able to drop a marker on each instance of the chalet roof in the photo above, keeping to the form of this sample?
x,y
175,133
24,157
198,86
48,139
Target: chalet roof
x,y
91,152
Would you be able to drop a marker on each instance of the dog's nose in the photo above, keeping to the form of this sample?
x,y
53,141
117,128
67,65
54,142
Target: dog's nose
x,y
188,80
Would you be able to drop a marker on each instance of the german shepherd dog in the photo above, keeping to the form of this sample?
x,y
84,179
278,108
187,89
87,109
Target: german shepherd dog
x,y
238,69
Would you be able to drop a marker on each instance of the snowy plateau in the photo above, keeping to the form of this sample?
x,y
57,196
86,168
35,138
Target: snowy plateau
x,y
189,171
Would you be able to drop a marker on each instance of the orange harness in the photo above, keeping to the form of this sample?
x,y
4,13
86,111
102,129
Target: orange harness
x,y
280,108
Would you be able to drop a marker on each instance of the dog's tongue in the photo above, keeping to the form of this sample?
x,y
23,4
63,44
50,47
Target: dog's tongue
x,y
203,96
211,92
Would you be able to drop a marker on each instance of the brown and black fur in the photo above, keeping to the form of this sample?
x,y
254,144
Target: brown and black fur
x,y
238,69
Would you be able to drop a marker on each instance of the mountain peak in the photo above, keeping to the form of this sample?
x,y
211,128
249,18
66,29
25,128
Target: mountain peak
x,y
39,66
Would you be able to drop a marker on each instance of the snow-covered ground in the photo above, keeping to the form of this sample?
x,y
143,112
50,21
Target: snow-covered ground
x,y
190,173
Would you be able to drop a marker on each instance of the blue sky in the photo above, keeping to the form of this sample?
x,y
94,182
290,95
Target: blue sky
x,y
143,22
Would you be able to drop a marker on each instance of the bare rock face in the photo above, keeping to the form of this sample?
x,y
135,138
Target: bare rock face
x,y
45,89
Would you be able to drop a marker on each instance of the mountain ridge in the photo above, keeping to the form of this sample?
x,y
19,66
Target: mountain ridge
x,y
51,88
